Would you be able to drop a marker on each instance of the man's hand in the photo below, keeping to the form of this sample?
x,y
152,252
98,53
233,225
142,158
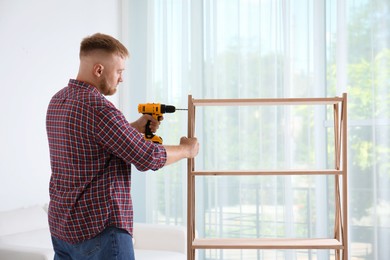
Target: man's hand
x,y
191,145
188,148
143,120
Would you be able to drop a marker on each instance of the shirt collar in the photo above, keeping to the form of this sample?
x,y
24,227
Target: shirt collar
x,y
81,84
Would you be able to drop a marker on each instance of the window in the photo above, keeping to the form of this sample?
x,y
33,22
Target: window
x,y
268,48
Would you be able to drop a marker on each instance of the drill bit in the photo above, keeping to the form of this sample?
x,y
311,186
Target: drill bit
x,y
182,109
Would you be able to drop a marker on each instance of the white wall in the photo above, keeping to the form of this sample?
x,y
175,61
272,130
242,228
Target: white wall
x,y
39,43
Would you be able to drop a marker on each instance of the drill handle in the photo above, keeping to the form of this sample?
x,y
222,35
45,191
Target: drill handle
x,y
148,132
150,136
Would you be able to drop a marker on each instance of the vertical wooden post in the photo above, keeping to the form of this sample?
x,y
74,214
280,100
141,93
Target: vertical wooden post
x,y
344,125
190,185
337,217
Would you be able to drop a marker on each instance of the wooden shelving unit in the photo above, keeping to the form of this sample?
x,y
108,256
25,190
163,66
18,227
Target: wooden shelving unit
x,y
339,242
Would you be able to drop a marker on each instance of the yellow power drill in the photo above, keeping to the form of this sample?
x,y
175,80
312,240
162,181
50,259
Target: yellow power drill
x,y
155,110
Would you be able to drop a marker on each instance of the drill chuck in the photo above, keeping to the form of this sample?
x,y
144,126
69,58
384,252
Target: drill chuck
x,y
167,109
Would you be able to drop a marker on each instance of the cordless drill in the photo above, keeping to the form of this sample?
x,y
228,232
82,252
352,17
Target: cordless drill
x,y
155,110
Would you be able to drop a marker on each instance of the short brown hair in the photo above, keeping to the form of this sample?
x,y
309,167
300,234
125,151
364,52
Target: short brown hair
x,y
104,42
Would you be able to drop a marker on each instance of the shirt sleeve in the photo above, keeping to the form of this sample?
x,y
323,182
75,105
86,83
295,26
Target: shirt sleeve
x,y
117,136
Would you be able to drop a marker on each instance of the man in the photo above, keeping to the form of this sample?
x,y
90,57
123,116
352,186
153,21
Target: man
x,y
92,148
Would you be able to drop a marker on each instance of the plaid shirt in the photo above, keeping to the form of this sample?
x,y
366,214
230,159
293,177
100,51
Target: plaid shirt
x,y
92,147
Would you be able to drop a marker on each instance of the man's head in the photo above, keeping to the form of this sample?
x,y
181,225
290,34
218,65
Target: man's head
x,y
102,61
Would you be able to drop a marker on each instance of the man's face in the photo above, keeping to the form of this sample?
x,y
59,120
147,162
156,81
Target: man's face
x,y
112,75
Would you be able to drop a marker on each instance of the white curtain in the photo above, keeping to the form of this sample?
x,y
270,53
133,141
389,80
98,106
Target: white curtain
x,y
270,48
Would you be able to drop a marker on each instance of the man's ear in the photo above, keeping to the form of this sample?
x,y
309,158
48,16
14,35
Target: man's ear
x,y
98,69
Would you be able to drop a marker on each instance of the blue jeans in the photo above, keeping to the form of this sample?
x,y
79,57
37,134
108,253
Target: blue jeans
x,y
112,243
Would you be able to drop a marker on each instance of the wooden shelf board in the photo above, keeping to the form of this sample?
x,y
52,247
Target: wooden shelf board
x,y
264,172
266,101
267,243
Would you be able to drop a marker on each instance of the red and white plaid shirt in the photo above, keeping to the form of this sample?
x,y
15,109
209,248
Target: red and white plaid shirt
x,y
92,147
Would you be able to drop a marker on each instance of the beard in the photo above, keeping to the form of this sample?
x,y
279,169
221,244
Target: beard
x,y
105,88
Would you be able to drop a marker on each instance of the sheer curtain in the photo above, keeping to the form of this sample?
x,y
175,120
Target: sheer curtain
x,y
268,48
